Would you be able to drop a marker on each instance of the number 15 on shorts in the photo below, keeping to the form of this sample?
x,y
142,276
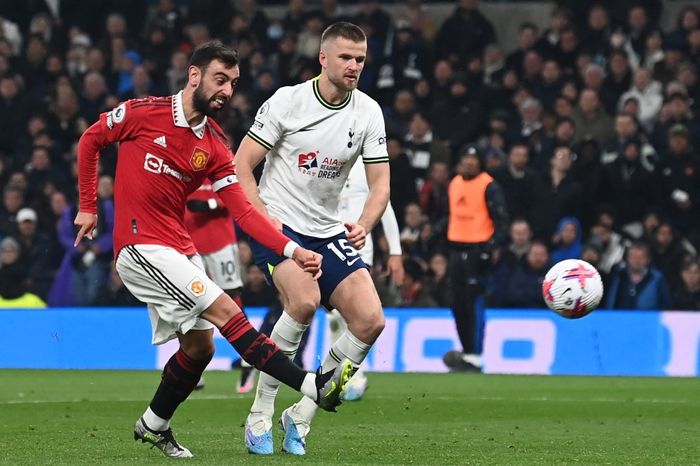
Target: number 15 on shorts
x,y
349,255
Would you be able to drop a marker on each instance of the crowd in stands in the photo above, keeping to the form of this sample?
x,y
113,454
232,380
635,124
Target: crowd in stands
x,y
589,126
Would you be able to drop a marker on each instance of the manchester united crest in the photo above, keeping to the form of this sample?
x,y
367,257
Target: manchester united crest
x,y
199,159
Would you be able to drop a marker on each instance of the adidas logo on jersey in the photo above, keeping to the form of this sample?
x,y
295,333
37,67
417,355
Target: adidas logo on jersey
x,y
160,141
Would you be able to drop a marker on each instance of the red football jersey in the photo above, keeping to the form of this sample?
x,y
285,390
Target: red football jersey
x,y
161,161
211,230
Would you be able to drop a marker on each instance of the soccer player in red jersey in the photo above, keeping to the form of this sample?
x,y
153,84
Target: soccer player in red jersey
x,y
167,147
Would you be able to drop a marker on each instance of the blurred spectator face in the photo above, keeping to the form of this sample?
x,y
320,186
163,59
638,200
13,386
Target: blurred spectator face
x,y
140,78
18,180
591,255
551,71
631,106
419,126
468,5
95,60
559,19
642,78
690,19
296,7
690,274
650,222
440,173
694,39
178,61
442,72
625,126
537,256
570,91
254,277
8,88
199,34
602,232
36,124
413,216
27,228
66,101
438,265
458,89
404,103
678,108
654,41
493,55
598,18
563,107
245,254
40,160
588,101
678,143
54,65
532,63
527,37
520,233
94,86
105,187
266,81
564,131
562,159
116,25
568,40
469,166
518,157
12,199
36,50
9,251
568,233
530,111
664,235
637,259
58,203
422,89
637,18
593,76
619,65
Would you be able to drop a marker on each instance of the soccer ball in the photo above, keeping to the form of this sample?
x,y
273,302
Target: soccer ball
x,y
572,288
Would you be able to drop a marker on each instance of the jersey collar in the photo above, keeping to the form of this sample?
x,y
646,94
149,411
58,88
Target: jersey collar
x,y
180,120
327,104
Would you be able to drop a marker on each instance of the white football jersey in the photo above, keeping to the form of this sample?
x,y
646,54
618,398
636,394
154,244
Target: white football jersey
x,y
312,147
352,202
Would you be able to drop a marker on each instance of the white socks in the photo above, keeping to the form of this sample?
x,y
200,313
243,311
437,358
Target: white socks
x,y
287,334
346,346
155,422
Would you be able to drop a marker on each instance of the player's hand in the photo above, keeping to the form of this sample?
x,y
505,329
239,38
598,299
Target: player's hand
x,y
87,223
309,261
394,269
357,235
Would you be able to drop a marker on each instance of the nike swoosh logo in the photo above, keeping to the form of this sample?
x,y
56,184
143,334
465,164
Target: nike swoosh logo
x,y
306,129
353,261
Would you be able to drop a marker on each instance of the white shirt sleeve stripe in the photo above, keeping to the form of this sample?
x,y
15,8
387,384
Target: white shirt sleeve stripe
x,y
223,182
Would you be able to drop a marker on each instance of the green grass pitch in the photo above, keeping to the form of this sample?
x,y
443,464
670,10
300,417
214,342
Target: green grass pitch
x,y
86,417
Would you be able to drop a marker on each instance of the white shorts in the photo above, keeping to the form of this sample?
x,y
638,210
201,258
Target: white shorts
x,y
224,267
174,287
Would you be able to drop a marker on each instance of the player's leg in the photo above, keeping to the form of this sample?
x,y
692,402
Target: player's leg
x,y
180,376
365,320
300,298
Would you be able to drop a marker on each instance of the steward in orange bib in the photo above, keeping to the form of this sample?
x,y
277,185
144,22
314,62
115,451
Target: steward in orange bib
x,y
477,225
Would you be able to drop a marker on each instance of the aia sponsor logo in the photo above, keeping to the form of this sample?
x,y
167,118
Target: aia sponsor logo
x,y
308,161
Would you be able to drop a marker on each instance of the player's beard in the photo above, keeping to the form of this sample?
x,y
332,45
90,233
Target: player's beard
x,y
202,103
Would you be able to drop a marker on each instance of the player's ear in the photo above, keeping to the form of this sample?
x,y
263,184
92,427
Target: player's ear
x,y
194,75
322,58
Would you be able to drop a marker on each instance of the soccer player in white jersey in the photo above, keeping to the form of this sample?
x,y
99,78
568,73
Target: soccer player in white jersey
x,y
352,200
311,135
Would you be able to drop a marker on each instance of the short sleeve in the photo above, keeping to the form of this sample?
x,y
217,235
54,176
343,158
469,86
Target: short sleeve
x,y
374,145
122,122
268,125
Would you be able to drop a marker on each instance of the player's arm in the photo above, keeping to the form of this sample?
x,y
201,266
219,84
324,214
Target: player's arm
x,y
259,227
375,205
391,230
248,156
112,126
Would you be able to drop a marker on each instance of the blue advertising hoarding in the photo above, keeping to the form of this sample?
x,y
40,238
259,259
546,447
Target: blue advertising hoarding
x,y
516,341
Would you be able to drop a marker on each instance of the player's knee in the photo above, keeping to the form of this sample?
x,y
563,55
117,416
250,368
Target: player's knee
x,y
200,350
304,306
369,327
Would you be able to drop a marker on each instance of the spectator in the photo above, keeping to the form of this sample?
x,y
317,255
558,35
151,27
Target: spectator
x,y
433,195
40,256
403,178
400,115
636,284
627,128
465,32
667,253
13,293
519,244
520,286
527,37
675,111
437,282
687,296
12,201
617,81
114,293
413,293
610,243
648,93
590,118
422,149
256,291
520,183
567,240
